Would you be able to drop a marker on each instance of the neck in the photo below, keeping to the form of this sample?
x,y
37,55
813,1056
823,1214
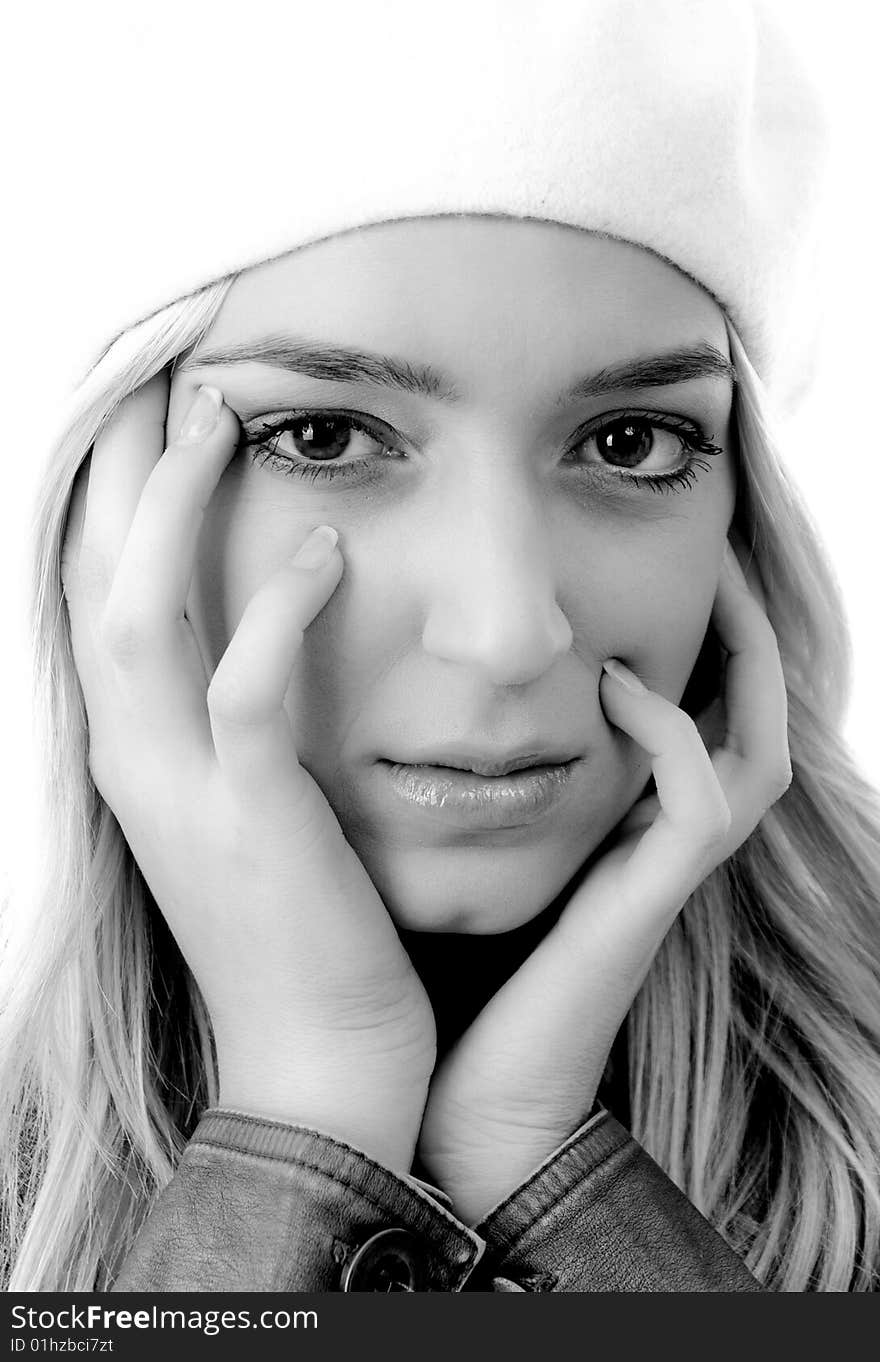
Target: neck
x,y
461,973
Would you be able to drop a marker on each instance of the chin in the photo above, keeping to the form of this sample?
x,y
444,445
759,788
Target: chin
x,y
474,890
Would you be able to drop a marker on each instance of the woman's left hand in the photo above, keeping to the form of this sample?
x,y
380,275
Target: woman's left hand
x,y
524,1075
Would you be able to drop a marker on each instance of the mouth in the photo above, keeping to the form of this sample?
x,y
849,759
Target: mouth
x,y
488,764
511,793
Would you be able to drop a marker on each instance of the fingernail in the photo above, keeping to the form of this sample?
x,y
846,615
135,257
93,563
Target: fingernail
x,y
317,549
202,416
623,674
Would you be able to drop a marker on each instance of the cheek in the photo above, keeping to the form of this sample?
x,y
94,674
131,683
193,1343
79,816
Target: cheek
x,y
242,542
648,601
666,627
245,539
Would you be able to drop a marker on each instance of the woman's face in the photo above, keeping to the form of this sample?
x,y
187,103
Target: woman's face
x,y
497,544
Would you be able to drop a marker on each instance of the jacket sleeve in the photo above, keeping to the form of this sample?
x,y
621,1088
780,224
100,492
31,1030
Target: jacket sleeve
x,y
600,1215
257,1205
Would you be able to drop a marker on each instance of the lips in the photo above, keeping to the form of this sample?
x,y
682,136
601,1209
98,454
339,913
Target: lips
x,y
488,764
463,799
495,768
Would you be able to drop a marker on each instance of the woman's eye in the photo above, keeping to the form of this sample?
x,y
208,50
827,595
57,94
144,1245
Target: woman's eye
x,y
319,439
638,443
660,450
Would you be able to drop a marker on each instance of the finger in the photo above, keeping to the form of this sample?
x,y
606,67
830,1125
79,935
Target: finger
x,y
753,763
640,816
122,458
156,565
82,592
104,494
745,557
138,631
71,541
150,642
686,783
251,729
694,818
75,597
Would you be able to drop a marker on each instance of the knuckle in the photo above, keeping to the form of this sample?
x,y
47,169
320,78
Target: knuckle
x,y
767,644
683,726
780,779
714,823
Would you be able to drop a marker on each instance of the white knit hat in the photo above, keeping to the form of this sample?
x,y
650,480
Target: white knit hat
x,y
191,142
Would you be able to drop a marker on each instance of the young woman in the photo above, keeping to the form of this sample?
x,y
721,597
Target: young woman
x,y
455,878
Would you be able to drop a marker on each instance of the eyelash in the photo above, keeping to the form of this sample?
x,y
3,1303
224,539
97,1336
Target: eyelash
x,y
693,440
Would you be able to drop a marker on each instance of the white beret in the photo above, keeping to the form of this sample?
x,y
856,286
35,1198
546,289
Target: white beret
x,y
192,141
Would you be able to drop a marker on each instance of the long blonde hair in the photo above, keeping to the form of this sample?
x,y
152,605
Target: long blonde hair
x,y
754,1044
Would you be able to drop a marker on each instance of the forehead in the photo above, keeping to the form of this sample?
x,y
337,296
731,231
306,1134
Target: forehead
x,y
470,290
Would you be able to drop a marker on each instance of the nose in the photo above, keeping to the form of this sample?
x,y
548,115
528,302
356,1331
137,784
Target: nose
x,y
493,604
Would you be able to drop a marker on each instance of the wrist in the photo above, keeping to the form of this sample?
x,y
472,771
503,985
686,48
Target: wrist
x,y
376,1113
487,1158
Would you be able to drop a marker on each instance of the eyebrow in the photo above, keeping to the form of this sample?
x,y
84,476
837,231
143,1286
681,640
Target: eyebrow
x,y
342,363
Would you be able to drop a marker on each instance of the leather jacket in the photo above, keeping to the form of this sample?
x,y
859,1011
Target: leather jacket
x,y
260,1205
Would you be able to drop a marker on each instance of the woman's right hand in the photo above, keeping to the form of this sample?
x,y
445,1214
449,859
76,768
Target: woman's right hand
x,y
319,1017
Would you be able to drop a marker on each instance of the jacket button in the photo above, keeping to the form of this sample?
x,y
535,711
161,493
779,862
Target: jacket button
x,y
389,1261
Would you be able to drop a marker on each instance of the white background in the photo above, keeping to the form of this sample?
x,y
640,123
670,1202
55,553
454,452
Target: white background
x,y
833,446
